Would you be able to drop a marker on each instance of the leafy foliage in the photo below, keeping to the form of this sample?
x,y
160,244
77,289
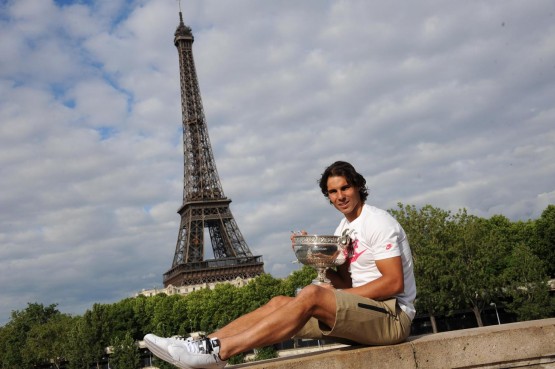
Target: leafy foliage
x,y
430,237
126,353
466,262
265,353
545,245
15,334
236,359
40,346
525,279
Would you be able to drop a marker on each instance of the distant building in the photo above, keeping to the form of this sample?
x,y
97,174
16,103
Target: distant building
x,y
184,290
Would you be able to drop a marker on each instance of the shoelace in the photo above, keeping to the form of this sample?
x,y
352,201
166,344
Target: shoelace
x,y
199,346
193,339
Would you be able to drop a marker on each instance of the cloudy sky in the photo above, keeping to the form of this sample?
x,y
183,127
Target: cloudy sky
x,y
444,103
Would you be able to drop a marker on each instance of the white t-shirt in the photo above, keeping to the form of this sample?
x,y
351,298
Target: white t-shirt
x,y
377,235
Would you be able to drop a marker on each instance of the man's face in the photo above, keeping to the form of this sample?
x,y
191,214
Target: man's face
x,y
344,197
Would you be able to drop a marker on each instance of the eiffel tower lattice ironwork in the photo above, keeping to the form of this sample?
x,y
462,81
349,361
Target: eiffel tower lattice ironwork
x,y
204,203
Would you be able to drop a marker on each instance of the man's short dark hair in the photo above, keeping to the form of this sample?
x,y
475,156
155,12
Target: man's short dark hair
x,y
344,169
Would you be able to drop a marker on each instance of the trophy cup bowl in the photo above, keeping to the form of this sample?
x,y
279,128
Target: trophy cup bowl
x,y
320,252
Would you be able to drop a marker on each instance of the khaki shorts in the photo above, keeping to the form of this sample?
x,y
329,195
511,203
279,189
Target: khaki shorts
x,y
361,320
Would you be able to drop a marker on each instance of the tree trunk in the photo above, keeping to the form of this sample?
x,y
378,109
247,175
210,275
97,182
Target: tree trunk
x,y
434,324
478,316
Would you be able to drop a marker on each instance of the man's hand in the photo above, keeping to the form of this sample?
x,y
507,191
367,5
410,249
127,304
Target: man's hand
x,y
340,278
298,233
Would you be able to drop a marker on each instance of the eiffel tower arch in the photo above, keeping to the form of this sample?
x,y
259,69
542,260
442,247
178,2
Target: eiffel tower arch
x,y
204,203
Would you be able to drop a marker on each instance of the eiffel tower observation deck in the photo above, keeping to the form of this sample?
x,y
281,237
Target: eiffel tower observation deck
x,y
204,203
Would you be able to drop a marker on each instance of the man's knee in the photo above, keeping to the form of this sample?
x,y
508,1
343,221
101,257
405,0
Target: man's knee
x,y
319,302
312,293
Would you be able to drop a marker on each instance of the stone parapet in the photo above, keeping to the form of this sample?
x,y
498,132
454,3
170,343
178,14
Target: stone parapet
x,y
528,344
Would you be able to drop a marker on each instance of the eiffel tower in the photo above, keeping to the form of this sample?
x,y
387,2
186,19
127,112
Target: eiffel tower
x,y
204,203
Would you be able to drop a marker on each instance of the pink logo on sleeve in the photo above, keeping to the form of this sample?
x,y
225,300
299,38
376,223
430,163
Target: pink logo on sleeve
x,y
388,246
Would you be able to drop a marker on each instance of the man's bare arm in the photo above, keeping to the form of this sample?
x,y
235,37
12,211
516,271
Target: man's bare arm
x,y
389,284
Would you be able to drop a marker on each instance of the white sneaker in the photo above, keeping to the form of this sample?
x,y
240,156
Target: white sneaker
x,y
196,353
159,346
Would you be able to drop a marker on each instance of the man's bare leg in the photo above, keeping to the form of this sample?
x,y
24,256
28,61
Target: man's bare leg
x,y
248,320
282,323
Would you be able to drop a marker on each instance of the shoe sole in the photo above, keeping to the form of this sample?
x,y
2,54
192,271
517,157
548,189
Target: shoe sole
x,y
162,354
199,362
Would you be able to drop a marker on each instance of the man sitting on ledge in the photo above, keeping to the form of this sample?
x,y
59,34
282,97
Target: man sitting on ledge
x,y
369,301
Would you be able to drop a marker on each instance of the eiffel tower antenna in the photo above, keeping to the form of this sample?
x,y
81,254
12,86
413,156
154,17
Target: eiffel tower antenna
x,y
204,203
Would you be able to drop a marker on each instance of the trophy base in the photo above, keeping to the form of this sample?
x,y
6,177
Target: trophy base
x,y
320,281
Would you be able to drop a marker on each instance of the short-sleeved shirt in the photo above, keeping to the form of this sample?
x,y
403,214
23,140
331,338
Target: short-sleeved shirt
x,y
376,235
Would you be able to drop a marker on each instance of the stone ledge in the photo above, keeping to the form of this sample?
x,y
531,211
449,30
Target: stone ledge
x,y
517,345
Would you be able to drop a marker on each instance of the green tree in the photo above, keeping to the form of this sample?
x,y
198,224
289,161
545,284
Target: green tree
x,y
16,332
226,304
163,319
48,342
96,332
236,359
476,265
525,284
298,279
197,316
429,233
123,319
181,316
260,290
125,353
265,353
80,353
545,247
143,311
11,341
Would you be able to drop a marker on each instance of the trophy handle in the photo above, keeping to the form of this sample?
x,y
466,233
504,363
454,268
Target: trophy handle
x,y
344,242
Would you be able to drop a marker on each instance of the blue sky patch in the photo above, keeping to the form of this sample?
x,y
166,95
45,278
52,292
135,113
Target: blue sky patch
x,y
106,132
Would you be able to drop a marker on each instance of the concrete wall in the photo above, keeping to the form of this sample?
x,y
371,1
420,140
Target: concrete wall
x,y
518,345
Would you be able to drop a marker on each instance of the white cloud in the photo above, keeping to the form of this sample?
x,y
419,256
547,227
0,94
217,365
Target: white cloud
x,y
449,105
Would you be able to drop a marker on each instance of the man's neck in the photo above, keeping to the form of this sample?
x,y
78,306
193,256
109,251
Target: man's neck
x,y
355,214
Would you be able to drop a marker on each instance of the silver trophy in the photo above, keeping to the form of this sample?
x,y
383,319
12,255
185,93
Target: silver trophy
x,y
321,252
